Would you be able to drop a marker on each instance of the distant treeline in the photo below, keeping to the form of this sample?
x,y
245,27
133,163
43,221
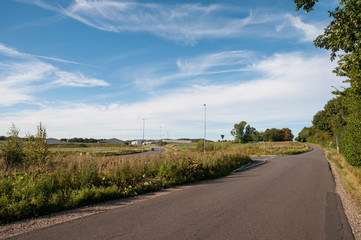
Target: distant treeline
x,y
72,140
244,133
81,140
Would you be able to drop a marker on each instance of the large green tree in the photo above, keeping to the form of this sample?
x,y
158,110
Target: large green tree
x,y
244,133
343,37
238,131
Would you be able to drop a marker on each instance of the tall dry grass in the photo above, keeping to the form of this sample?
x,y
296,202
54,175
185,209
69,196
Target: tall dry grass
x,y
272,148
351,176
66,182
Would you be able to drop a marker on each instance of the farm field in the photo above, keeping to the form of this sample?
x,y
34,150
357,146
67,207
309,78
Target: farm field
x,y
266,148
94,149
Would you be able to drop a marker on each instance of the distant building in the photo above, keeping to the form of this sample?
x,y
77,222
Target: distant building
x,y
137,142
150,142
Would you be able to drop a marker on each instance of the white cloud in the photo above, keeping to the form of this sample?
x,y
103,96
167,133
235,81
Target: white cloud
x,y
4,50
24,76
21,75
185,23
289,90
200,66
221,62
309,31
76,79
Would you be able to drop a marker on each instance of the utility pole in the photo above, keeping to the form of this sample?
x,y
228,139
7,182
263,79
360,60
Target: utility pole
x,y
205,126
143,135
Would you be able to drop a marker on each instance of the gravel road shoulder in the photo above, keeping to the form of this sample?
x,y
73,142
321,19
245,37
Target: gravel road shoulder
x,y
353,216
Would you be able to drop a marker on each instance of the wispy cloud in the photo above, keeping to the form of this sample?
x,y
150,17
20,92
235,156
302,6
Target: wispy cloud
x,y
310,31
287,88
23,74
185,23
186,69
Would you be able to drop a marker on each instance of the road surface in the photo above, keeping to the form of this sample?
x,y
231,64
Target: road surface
x,y
289,197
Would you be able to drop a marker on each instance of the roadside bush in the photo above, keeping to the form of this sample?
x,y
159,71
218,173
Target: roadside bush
x,y
17,152
13,148
352,142
36,148
79,181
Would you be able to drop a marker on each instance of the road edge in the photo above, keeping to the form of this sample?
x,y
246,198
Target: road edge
x,y
349,206
250,165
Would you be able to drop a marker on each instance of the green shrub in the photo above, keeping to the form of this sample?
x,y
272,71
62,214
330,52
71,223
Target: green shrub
x,y
352,141
13,148
89,180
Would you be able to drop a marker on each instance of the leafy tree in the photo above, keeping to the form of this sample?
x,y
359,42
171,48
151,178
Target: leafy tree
x,y
343,37
287,134
305,133
244,133
278,135
307,5
238,131
36,148
273,135
13,148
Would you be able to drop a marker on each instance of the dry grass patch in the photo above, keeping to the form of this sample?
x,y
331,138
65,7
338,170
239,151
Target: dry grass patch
x,y
351,176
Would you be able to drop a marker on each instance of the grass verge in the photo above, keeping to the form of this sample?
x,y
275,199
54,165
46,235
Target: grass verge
x,y
350,175
81,180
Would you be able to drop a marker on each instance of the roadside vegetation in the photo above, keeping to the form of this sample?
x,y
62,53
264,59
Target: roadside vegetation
x,y
38,178
350,175
34,181
253,148
339,122
94,149
337,127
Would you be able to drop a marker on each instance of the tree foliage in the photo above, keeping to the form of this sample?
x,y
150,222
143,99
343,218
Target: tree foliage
x,y
278,135
343,38
327,124
238,131
32,150
244,133
13,148
36,148
307,5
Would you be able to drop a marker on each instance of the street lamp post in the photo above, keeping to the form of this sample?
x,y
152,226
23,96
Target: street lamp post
x,y
160,133
205,125
143,135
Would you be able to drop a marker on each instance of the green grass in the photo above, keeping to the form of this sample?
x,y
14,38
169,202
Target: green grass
x,y
95,149
67,180
267,148
74,181
272,148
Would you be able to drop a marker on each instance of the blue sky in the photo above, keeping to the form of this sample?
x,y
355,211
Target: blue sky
x,y
93,68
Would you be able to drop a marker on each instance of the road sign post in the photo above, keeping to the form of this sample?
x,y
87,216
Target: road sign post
x,y
222,136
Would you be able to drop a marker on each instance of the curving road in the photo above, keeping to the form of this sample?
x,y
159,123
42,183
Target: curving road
x,y
289,197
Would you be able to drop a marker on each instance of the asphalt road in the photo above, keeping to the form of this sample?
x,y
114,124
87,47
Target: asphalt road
x,y
289,197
